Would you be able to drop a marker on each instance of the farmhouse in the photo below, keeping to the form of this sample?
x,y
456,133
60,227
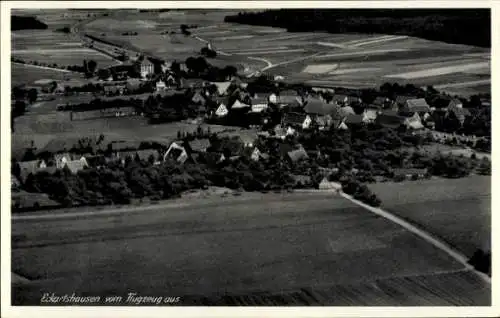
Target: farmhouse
x,y
297,120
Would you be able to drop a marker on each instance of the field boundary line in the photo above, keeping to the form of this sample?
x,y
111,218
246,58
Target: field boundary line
x,y
459,257
46,67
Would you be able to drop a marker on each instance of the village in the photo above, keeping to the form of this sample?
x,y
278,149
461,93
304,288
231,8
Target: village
x,y
264,109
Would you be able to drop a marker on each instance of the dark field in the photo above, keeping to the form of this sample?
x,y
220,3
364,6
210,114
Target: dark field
x,y
268,243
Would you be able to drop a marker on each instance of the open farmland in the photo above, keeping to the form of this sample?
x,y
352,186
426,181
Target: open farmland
x,y
24,74
354,60
457,210
334,251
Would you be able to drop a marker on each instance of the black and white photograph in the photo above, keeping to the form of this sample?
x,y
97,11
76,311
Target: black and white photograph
x,y
249,156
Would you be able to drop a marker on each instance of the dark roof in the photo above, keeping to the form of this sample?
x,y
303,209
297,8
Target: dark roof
x,y
259,100
212,157
289,92
401,99
318,107
353,99
459,112
292,100
379,102
294,118
199,144
354,119
417,105
390,119
340,98
94,161
297,154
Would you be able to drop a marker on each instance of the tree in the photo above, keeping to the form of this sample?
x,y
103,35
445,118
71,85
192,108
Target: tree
x,y
32,95
91,66
191,63
175,67
230,70
103,74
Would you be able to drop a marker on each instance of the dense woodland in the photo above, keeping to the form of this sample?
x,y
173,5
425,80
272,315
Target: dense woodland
x,y
460,26
25,23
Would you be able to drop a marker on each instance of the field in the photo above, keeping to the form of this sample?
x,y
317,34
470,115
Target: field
x,y
354,60
458,211
27,74
304,244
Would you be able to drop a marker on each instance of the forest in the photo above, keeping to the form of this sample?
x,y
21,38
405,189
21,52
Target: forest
x,y
458,26
25,23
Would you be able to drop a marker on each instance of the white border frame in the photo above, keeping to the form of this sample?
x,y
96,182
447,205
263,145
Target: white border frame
x,y
18,311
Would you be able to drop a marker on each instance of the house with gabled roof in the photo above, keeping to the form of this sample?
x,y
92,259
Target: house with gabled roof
x,y
354,120
75,165
400,101
259,104
414,122
176,152
254,154
457,113
222,87
297,155
370,115
221,110
240,105
60,159
290,101
198,99
197,145
297,120
160,85
418,105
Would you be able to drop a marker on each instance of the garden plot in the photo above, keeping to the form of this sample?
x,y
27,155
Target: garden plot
x,y
25,74
320,68
126,25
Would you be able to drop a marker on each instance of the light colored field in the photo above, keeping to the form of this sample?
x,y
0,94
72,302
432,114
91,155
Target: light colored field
x,y
354,70
236,37
121,25
464,84
440,71
270,52
320,68
373,59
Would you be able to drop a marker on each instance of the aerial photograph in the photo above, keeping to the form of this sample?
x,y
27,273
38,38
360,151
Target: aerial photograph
x,y
250,157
